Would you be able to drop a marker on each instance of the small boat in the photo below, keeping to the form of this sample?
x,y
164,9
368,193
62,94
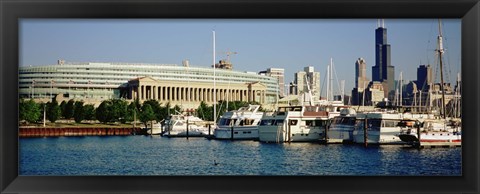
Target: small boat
x,y
431,133
242,122
155,129
177,125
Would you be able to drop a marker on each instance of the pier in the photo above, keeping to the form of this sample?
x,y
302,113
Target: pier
x,y
76,131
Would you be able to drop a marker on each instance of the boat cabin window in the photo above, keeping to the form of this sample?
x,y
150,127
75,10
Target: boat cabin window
x,y
266,122
374,123
247,122
293,122
316,123
278,122
227,122
389,123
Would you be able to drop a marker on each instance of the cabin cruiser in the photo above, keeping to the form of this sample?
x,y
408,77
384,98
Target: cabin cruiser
x,y
177,125
341,127
242,122
382,127
294,124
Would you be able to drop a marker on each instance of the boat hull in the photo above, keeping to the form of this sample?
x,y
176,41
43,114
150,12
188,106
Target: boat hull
x,y
239,133
277,134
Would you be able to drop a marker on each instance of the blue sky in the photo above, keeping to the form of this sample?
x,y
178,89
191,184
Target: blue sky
x,y
288,44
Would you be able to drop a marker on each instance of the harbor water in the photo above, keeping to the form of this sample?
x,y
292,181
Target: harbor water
x,y
146,155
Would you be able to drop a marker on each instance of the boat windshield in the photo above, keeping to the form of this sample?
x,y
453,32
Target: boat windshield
x,y
274,122
227,122
343,121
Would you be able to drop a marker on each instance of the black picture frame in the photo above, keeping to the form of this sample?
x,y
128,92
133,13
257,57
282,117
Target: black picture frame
x,y
11,11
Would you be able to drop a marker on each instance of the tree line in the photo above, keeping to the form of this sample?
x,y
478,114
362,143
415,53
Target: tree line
x,y
115,111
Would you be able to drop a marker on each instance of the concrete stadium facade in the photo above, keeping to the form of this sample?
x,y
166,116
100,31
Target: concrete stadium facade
x,y
180,85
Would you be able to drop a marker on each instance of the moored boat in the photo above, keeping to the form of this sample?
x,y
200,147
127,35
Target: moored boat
x,y
294,124
341,127
177,125
431,133
382,127
241,124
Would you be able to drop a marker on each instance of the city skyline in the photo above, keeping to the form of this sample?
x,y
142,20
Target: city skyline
x,y
260,44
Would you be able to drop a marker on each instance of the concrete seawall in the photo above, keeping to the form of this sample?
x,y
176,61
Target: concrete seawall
x,y
76,131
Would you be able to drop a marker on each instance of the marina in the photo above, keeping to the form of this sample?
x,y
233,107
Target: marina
x,y
185,111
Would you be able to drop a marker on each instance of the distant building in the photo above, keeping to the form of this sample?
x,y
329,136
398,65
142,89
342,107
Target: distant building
x,y
278,73
424,77
383,71
184,85
374,93
361,81
313,79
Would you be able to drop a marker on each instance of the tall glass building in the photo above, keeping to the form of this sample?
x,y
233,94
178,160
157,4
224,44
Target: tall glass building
x,y
383,71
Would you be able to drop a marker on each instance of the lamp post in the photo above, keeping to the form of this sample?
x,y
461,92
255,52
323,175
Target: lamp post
x,y
33,89
51,88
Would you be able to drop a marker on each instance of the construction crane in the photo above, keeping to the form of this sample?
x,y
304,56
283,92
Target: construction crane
x,y
228,53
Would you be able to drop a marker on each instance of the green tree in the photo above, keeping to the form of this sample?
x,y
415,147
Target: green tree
x,y
89,111
53,111
29,111
157,109
205,112
117,110
79,112
69,109
42,106
147,114
62,108
101,112
131,112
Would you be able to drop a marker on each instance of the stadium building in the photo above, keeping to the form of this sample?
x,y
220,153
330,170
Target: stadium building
x,y
178,84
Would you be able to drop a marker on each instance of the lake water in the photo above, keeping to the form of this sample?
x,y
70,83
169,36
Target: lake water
x,y
145,155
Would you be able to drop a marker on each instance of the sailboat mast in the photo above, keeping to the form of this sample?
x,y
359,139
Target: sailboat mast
x,y
328,80
401,84
440,56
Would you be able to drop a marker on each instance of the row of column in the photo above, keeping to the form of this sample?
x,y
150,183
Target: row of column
x,y
168,93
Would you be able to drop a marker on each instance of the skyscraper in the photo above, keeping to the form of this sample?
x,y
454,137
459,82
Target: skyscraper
x,y
424,77
383,71
361,81
361,74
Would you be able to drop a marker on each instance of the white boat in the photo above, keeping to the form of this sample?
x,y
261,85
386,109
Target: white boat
x,y
382,127
432,133
177,125
156,129
243,122
341,127
294,124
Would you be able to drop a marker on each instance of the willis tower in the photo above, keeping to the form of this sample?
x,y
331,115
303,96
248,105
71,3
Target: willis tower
x,y
383,71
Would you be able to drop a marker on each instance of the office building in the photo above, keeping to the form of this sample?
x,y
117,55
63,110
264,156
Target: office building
x,y
300,82
383,71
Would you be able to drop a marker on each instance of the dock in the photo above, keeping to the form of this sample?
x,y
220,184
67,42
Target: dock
x,y
438,144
